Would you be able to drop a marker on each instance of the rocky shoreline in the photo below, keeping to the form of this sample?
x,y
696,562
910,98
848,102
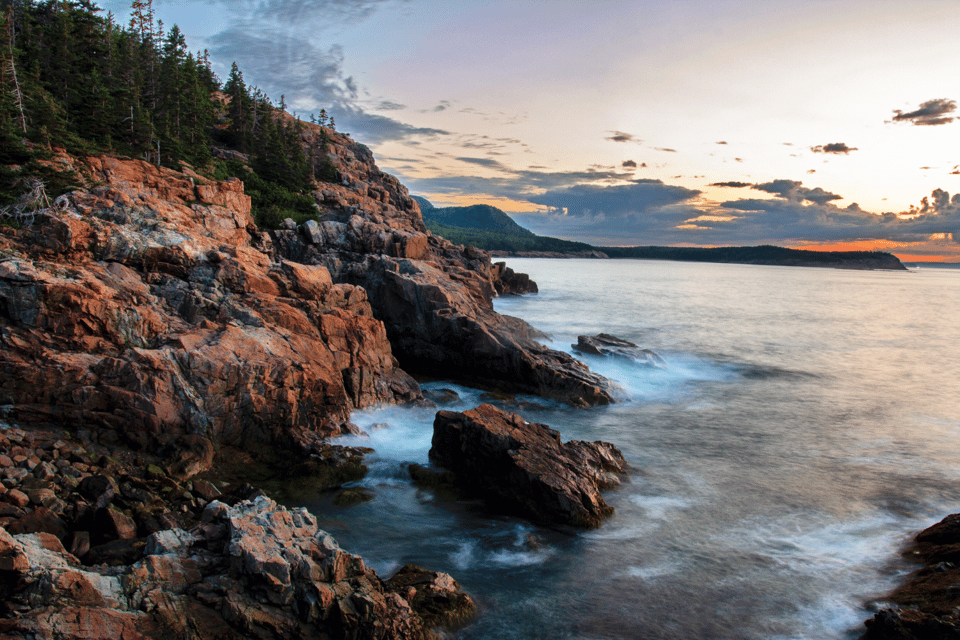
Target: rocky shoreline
x,y
106,543
159,350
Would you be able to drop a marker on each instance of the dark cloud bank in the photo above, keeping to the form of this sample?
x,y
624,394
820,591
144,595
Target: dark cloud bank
x,y
652,212
930,113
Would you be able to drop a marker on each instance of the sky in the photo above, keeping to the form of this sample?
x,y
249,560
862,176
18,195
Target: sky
x,y
829,124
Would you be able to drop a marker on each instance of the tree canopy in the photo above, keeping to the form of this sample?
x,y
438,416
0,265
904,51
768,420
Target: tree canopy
x,y
71,77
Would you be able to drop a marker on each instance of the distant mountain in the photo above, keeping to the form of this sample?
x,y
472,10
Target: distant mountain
x,y
764,254
482,217
490,229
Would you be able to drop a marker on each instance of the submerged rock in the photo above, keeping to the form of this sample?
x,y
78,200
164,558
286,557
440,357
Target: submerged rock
x,y
436,597
523,467
604,344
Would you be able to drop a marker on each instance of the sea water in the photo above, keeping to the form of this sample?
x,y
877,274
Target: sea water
x,y
804,427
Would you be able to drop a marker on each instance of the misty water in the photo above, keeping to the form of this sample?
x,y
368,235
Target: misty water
x,y
806,424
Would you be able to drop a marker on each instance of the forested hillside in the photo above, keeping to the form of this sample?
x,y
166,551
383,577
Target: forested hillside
x,y
73,78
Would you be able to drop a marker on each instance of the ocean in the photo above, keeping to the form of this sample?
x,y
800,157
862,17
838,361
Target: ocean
x,y
804,427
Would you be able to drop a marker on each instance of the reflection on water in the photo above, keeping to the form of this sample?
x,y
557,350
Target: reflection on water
x,y
803,428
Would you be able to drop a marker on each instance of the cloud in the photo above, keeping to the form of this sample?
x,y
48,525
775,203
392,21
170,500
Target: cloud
x,y
620,136
615,200
834,147
731,184
795,191
668,150
930,113
274,43
722,142
489,163
443,106
389,105
376,128
629,164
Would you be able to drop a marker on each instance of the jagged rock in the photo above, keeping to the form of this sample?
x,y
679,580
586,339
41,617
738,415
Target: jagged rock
x,y
604,344
524,467
151,319
435,298
436,597
254,570
509,282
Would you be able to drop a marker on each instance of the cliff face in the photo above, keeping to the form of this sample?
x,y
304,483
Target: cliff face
x,y
435,298
150,309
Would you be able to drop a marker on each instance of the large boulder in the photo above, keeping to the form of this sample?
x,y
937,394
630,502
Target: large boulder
x,y
524,467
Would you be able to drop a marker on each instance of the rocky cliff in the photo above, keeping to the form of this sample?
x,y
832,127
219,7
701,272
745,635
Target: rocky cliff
x,y
150,309
434,298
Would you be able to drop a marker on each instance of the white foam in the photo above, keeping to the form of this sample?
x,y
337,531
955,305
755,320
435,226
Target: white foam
x,y
465,556
660,507
508,558
650,572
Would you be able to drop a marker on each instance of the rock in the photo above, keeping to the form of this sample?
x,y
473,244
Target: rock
x,y
523,467
40,520
945,532
17,498
79,543
604,344
442,396
352,496
148,320
205,490
311,232
109,524
434,298
12,558
169,541
509,282
928,600
98,490
437,597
